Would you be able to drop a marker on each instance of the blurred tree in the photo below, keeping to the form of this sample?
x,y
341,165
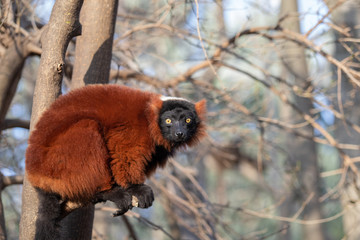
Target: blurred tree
x,y
347,17
304,179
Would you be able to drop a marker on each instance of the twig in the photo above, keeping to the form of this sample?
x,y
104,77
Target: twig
x,y
129,227
13,123
340,2
301,209
139,218
11,180
284,219
201,41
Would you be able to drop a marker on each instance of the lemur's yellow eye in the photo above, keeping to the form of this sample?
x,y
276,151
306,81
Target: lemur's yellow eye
x,y
188,120
168,121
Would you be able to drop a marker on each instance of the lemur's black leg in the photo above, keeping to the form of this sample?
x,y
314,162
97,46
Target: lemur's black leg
x,y
49,215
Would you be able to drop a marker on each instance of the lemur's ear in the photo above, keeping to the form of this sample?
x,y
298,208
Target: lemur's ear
x,y
200,108
152,114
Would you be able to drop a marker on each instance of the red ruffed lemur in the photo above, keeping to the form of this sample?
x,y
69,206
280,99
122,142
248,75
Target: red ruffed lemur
x,y
99,143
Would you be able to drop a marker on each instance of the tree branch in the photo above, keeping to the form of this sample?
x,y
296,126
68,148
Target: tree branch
x,y
15,123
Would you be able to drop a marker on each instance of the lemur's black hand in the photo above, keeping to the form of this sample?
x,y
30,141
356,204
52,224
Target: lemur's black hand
x,y
117,195
123,198
143,193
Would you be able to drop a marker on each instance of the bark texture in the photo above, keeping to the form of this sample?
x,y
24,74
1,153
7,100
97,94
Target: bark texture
x,y
94,46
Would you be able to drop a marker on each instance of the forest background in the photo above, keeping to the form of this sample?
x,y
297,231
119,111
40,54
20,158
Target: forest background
x,y
281,79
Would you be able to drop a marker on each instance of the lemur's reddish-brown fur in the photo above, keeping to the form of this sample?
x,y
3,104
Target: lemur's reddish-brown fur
x,y
94,137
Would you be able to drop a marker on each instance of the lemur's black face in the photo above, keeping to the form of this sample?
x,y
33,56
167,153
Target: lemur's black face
x,y
178,121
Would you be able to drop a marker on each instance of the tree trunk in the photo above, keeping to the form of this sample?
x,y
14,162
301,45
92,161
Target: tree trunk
x,y
94,48
63,25
293,57
92,65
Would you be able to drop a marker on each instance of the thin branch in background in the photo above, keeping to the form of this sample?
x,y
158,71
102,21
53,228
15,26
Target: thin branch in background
x,y
130,228
10,180
303,205
284,228
283,219
338,4
140,219
201,41
260,148
15,123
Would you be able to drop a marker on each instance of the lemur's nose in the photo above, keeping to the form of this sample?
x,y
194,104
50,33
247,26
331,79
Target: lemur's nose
x,y
179,134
